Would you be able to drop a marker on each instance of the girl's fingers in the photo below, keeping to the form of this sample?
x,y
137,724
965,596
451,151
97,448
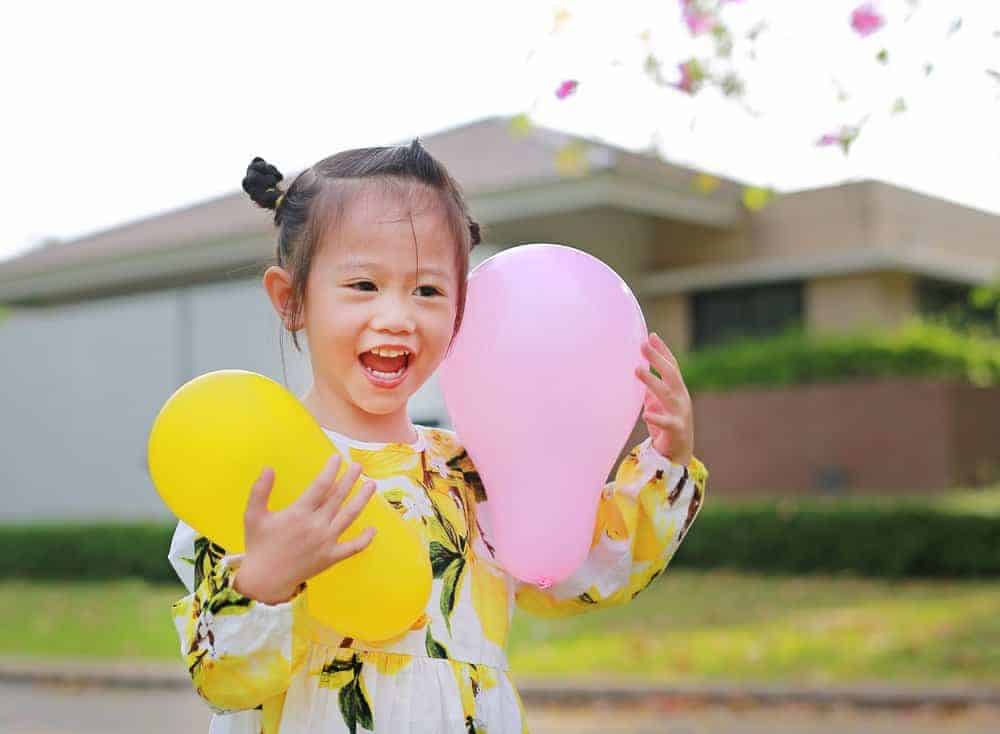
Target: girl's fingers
x,y
353,546
352,509
676,378
335,498
657,387
312,498
259,493
664,350
667,422
650,400
667,369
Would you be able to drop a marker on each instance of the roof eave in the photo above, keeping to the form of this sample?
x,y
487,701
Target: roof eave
x,y
604,188
924,261
106,276
607,188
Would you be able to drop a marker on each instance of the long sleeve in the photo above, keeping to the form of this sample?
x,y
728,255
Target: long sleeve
x,y
642,517
240,652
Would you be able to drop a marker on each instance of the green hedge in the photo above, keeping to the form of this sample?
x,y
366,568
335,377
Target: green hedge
x,y
892,543
866,541
91,552
918,348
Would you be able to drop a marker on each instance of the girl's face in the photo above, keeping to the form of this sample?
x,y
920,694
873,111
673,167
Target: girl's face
x,y
364,291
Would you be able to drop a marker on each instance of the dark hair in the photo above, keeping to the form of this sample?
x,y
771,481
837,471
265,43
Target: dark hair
x,y
319,194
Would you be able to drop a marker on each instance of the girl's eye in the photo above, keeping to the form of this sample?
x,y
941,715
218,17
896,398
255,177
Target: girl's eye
x,y
368,282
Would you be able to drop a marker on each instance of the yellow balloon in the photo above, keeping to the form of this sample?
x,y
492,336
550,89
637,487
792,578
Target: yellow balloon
x,y
209,444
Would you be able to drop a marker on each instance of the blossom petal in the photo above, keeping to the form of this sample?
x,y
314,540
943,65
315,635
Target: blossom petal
x,y
705,183
567,88
865,20
698,22
756,198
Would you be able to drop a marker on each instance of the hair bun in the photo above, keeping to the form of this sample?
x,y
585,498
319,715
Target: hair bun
x,y
261,183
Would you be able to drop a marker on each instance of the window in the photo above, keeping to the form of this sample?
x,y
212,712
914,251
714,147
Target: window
x,y
753,311
949,301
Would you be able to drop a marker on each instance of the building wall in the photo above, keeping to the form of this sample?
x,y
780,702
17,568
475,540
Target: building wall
x,y
846,303
865,436
681,245
622,240
85,380
819,220
792,224
906,218
670,317
84,383
831,305
81,387
786,227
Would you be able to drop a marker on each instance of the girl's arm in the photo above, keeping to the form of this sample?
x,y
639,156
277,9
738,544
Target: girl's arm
x,y
239,651
643,516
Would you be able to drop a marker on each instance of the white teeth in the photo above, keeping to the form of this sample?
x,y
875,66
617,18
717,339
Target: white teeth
x,y
388,352
386,375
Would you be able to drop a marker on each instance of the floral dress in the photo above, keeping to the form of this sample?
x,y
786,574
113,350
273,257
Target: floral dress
x,y
265,668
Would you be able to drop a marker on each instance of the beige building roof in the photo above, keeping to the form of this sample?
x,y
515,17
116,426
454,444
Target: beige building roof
x,y
507,179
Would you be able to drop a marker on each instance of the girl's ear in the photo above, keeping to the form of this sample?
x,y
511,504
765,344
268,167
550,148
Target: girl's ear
x,y
278,284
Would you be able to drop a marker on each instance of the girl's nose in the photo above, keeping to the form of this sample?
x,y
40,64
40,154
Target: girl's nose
x,y
395,314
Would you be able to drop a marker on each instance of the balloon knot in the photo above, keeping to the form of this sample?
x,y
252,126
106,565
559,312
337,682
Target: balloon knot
x,y
544,582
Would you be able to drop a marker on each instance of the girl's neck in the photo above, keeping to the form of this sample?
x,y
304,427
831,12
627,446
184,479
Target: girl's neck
x,y
357,424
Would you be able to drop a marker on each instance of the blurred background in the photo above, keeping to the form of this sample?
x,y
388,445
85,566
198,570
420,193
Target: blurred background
x,y
801,195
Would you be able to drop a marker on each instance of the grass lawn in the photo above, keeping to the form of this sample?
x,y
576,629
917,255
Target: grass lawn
x,y
727,625
690,626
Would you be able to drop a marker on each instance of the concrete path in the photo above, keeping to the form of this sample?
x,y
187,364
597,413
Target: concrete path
x,y
35,708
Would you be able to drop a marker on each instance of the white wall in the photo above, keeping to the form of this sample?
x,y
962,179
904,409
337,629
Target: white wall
x,y
80,386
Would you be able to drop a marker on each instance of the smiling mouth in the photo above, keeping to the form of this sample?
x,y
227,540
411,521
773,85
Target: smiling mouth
x,y
381,376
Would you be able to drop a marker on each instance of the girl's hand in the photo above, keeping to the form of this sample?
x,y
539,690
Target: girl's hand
x,y
667,405
287,547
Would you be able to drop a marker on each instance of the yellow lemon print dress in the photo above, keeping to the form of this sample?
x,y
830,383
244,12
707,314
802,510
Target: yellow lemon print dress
x,y
265,669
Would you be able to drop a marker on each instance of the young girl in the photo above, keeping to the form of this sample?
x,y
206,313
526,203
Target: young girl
x,y
372,257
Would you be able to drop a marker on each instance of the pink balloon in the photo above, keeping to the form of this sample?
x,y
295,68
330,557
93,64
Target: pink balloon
x,y
541,388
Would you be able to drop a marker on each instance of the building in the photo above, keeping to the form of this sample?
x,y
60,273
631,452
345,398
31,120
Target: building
x,y
101,330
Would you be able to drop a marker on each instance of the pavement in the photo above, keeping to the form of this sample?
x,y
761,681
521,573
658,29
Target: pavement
x,y
48,708
543,692
88,697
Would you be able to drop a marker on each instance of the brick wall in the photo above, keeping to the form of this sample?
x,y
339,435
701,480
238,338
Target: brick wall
x,y
896,436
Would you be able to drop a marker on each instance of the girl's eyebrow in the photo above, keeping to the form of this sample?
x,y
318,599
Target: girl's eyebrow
x,y
361,265
370,265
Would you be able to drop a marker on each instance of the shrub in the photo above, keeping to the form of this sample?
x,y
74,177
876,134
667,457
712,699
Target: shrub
x,y
773,537
863,541
919,348
86,552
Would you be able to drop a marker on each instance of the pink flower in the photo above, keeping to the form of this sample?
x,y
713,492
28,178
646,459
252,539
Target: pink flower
x,y
692,76
685,84
844,137
567,88
697,21
865,20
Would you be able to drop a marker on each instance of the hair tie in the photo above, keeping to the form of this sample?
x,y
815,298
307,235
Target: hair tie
x,y
277,202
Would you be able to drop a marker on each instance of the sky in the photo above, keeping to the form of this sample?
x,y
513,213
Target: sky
x,y
117,111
